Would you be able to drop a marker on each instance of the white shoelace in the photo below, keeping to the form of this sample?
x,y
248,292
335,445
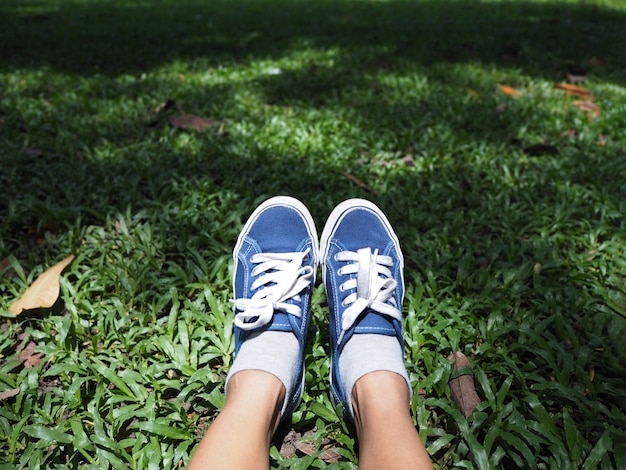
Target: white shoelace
x,y
283,278
374,286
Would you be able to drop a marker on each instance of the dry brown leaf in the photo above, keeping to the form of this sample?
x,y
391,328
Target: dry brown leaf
x,y
306,447
330,456
357,181
191,122
507,90
569,133
288,447
462,388
590,108
472,92
9,393
28,351
39,233
44,292
5,268
574,90
408,160
28,356
33,360
586,105
287,450
601,140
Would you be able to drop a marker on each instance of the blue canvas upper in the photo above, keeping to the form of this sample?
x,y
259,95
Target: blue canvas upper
x,y
280,225
354,225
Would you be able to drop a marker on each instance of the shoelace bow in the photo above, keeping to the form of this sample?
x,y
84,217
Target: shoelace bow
x,y
282,277
373,283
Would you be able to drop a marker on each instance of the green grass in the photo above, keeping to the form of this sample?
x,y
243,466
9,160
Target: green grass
x,y
516,260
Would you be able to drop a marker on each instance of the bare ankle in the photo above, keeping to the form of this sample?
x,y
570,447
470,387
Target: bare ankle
x,y
256,393
384,426
380,393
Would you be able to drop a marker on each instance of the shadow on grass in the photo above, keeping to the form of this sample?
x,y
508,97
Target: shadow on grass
x,y
115,38
100,39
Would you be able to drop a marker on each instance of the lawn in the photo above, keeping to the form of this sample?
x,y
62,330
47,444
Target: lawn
x,y
507,192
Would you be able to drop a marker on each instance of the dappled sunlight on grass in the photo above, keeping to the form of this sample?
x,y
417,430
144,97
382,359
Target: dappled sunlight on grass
x,y
509,209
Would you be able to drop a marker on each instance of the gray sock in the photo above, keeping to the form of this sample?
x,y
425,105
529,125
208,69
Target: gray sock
x,y
365,353
275,352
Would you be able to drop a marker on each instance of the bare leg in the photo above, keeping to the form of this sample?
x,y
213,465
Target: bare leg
x,y
241,434
387,437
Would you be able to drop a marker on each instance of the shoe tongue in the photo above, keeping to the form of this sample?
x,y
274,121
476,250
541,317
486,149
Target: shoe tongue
x,y
372,322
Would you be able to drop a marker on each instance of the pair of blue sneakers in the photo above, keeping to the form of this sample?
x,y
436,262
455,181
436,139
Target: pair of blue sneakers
x,y
276,258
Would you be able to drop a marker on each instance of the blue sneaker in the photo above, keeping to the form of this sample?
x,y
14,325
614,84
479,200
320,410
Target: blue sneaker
x,y
362,273
275,262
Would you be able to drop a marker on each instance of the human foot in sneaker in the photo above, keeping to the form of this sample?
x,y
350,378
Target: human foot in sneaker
x,y
275,260
362,273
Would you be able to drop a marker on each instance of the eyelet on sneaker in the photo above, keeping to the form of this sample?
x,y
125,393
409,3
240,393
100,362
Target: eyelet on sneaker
x,y
342,288
335,257
343,304
340,272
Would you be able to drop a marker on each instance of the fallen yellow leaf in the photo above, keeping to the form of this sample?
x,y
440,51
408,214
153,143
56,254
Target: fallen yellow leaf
x,y
590,108
574,90
44,292
507,90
